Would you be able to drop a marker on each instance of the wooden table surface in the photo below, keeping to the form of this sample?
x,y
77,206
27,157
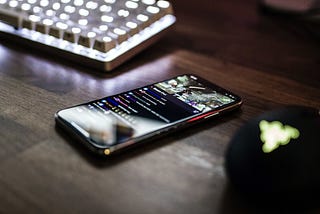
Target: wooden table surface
x,y
269,61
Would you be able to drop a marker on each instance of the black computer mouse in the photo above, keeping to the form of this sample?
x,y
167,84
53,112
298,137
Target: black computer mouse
x,y
275,157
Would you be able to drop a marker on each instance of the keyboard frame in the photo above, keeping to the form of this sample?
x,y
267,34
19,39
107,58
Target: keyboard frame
x,y
88,56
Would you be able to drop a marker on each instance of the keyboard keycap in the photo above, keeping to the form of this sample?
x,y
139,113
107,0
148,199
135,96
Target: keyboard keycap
x,y
9,17
104,43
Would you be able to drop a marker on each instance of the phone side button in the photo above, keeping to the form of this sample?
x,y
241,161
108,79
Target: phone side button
x,y
210,115
205,116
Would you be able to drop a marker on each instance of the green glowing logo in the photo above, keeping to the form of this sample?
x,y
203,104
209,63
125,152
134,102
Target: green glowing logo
x,y
273,134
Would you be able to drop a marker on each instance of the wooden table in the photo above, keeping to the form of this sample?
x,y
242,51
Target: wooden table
x,y
269,61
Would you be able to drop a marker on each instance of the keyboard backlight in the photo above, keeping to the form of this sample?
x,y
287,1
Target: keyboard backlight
x,y
44,3
163,4
149,2
76,30
32,1
106,18
83,12
78,2
131,5
123,13
13,3
61,25
103,27
142,18
25,6
91,34
131,25
34,18
91,5
83,22
69,9
153,10
48,22
56,6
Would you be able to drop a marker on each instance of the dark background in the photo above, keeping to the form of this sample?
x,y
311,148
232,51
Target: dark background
x,y
270,61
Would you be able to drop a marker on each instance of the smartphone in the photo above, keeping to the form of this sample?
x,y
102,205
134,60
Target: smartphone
x,y
112,123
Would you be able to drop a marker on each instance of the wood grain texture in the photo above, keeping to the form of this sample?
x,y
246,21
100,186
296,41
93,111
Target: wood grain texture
x,y
269,61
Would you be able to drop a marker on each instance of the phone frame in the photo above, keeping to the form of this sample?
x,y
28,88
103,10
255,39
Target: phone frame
x,y
183,123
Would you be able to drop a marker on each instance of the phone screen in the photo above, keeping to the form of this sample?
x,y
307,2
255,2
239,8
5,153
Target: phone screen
x,y
117,121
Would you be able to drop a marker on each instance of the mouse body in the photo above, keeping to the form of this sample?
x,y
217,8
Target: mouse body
x,y
276,156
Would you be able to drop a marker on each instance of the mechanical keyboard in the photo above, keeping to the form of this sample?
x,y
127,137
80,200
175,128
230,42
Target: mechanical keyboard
x,y
102,33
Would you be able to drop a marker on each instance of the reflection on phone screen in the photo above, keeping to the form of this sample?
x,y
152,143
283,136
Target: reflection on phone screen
x,y
119,118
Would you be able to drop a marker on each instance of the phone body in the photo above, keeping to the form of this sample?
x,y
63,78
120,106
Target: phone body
x,y
112,123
